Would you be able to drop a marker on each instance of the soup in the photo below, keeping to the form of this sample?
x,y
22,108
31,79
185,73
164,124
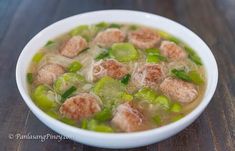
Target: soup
x,y
111,77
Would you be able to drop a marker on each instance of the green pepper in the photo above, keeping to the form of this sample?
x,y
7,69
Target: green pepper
x,y
124,52
74,66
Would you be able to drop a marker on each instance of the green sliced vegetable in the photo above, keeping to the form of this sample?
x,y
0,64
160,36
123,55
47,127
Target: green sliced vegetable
x,y
176,107
155,58
30,78
113,25
80,30
49,43
152,51
163,101
38,57
95,126
84,124
68,92
124,52
195,77
146,94
67,80
102,25
43,98
55,115
181,74
157,120
193,56
109,90
125,79
74,66
177,117
133,27
126,97
104,115
102,55
169,37
191,76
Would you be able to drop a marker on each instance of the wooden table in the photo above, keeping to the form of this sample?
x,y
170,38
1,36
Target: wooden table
x,y
213,20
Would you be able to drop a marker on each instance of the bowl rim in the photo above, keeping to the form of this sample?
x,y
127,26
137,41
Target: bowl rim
x,y
186,119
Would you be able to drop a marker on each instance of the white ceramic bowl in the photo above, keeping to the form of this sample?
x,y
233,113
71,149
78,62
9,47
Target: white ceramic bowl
x,y
117,140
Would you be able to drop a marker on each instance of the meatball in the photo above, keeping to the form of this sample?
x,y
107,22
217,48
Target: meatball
x,y
73,46
150,75
110,68
127,118
144,38
172,51
109,36
48,73
83,105
179,90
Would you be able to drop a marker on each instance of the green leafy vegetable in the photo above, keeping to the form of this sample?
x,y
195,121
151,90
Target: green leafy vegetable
x,y
104,115
38,57
125,79
74,66
68,92
102,55
30,78
43,98
124,52
181,74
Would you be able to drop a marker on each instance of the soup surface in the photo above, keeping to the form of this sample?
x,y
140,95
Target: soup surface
x,y
112,77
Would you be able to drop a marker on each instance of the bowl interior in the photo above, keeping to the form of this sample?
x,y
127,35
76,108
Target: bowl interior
x,y
122,16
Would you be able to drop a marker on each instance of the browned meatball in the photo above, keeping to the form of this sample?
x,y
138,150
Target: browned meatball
x,y
83,105
73,46
47,74
172,51
179,90
109,36
144,38
127,118
149,75
110,68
